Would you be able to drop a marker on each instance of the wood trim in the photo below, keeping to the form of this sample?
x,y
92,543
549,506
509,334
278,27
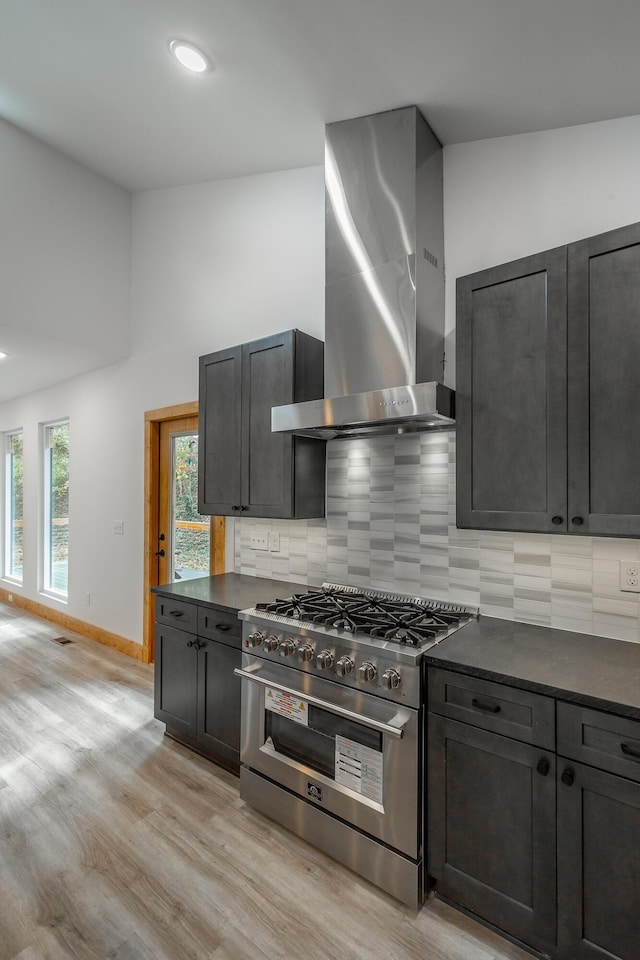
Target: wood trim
x,y
89,630
217,557
152,421
150,577
173,413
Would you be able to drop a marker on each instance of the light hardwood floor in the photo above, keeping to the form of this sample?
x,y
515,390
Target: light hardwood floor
x,y
118,844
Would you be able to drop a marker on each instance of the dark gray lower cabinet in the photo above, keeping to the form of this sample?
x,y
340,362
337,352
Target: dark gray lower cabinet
x,y
176,673
510,823
598,864
492,828
219,694
197,694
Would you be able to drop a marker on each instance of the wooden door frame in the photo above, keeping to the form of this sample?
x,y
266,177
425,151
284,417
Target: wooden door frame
x,y
152,421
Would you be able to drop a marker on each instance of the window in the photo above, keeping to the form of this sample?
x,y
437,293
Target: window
x,y
56,508
13,506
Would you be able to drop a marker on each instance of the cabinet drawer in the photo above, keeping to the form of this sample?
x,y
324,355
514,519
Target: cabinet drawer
x,y
177,613
600,739
219,625
520,714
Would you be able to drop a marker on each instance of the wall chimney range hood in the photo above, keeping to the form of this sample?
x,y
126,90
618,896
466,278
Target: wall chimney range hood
x,y
384,293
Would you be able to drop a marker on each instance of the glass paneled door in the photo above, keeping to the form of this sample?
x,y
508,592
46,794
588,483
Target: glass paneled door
x,y
184,541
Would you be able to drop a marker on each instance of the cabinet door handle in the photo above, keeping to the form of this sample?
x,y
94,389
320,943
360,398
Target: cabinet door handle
x,y
234,507
543,767
159,553
243,508
578,521
568,776
556,520
191,643
630,751
176,613
222,627
487,707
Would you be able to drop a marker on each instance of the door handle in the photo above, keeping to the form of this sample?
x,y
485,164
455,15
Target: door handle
x,y
159,553
391,729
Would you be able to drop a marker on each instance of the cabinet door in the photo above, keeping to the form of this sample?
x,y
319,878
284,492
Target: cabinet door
x,y
267,458
175,688
491,828
511,396
598,865
219,485
219,703
604,385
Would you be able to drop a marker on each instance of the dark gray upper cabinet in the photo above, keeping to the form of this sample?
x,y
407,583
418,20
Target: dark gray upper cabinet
x,y
604,384
547,386
511,395
248,470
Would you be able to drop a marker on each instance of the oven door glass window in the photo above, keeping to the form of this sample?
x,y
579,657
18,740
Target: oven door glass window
x,y
340,749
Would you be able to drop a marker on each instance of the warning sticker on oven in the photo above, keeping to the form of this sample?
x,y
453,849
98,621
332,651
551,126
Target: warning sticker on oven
x,y
359,768
286,705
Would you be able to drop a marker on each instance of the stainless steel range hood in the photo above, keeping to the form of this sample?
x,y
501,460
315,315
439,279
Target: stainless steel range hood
x,y
384,294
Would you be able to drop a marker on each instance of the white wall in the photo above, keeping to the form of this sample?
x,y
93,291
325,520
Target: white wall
x,y
212,265
512,196
64,236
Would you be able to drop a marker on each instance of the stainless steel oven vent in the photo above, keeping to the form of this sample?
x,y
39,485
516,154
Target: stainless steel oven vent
x,y
384,275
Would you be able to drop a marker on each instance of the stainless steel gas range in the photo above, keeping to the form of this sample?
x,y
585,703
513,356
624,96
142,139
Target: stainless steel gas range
x,y
332,724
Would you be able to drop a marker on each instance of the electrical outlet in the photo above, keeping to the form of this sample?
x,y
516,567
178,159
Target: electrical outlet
x,y
259,541
274,542
630,576
118,526
10,597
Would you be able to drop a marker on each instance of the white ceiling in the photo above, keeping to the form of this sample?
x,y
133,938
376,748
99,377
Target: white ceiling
x,y
94,77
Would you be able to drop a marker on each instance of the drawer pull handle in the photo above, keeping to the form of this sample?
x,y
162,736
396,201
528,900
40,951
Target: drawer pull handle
x,y
176,613
222,627
630,751
487,707
543,767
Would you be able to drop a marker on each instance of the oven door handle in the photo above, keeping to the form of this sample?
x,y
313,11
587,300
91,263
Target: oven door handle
x,y
390,729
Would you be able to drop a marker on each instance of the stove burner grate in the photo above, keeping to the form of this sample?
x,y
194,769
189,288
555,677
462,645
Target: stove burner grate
x,y
401,620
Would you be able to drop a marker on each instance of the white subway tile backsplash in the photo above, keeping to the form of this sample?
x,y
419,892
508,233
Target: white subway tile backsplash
x,y
391,524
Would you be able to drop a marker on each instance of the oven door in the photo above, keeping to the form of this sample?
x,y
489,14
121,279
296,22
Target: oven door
x,y
352,754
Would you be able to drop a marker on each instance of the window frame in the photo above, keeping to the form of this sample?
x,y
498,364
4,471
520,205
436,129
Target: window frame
x,y
45,540
7,524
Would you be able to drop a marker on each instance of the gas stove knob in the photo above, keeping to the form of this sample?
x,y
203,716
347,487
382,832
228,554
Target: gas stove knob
x,y
344,666
271,643
305,652
324,659
368,672
256,638
391,679
286,647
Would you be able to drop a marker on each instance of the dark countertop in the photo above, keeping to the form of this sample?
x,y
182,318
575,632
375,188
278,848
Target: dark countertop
x,y
230,591
594,671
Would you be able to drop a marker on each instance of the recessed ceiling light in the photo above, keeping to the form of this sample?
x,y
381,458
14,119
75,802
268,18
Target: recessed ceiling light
x,y
190,56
